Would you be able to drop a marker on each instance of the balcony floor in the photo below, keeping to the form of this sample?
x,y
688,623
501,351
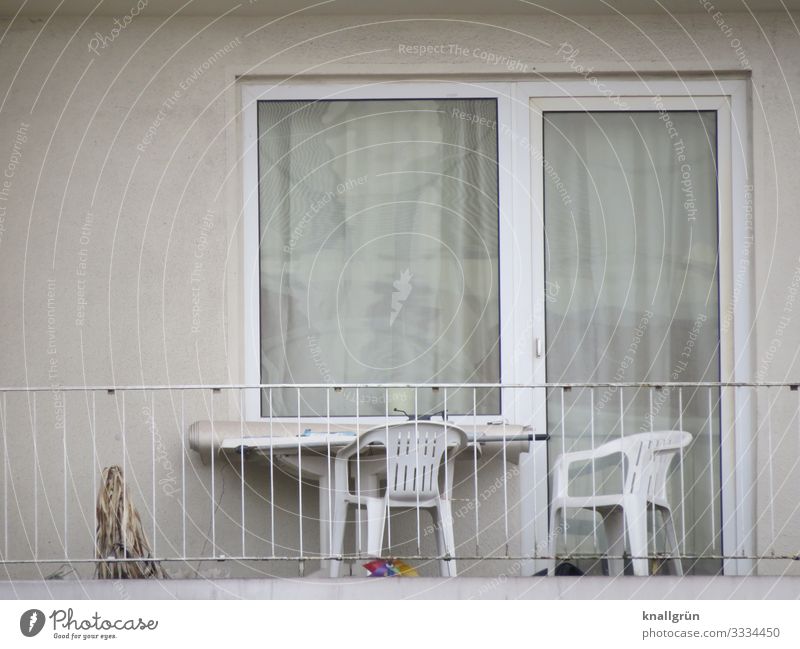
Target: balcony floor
x,y
661,587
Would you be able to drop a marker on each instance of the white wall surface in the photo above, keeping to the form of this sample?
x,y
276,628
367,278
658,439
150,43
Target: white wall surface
x,y
89,215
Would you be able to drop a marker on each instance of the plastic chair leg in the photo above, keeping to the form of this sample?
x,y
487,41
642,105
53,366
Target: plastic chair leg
x,y
338,523
636,521
376,521
672,542
615,539
556,515
445,539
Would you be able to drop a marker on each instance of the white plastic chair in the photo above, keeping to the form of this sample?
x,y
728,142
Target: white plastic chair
x,y
646,462
414,453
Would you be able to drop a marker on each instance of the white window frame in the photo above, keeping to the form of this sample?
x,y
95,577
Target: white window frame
x,y
515,291
522,297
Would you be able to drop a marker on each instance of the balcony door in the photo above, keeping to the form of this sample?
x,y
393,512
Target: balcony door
x,y
632,294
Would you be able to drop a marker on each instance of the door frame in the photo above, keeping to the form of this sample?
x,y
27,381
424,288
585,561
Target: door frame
x,y
729,99
522,255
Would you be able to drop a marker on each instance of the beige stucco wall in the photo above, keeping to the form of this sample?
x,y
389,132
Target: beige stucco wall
x,y
89,217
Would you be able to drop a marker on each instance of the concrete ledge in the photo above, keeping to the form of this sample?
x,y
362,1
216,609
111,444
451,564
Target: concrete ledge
x,y
661,587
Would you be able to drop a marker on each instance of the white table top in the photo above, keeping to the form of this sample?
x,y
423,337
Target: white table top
x,y
321,441
265,437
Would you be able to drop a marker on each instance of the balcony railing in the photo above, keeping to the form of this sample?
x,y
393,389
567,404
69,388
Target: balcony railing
x,y
237,480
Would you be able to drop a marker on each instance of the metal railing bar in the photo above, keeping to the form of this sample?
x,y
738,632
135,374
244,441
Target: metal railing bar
x,y
475,468
213,483
34,432
417,478
680,461
125,476
271,476
505,487
411,557
153,464
359,546
3,422
711,464
299,474
564,452
447,494
330,476
388,477
653,509
94,468
622,462
771,545
554,385
241,465
66,468
183,469
594,466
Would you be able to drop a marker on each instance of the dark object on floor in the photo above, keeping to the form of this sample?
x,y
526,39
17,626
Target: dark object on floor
x,y
563,569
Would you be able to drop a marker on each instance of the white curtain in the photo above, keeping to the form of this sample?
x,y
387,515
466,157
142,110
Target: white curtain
x,y
379,251
631,238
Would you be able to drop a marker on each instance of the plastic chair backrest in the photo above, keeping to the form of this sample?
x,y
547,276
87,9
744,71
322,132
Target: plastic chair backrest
x,y
414,455
649,456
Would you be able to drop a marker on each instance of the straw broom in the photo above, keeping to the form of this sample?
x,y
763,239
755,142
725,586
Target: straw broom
x,y
120,534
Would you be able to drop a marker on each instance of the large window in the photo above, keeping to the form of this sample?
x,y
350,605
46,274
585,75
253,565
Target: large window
x,y
378,254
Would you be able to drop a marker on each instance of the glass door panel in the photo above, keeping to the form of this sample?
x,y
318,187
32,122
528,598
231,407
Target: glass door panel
x,y
631,269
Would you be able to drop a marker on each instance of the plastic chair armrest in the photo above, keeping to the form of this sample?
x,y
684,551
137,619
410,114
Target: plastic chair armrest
x,y
564,461
350,450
